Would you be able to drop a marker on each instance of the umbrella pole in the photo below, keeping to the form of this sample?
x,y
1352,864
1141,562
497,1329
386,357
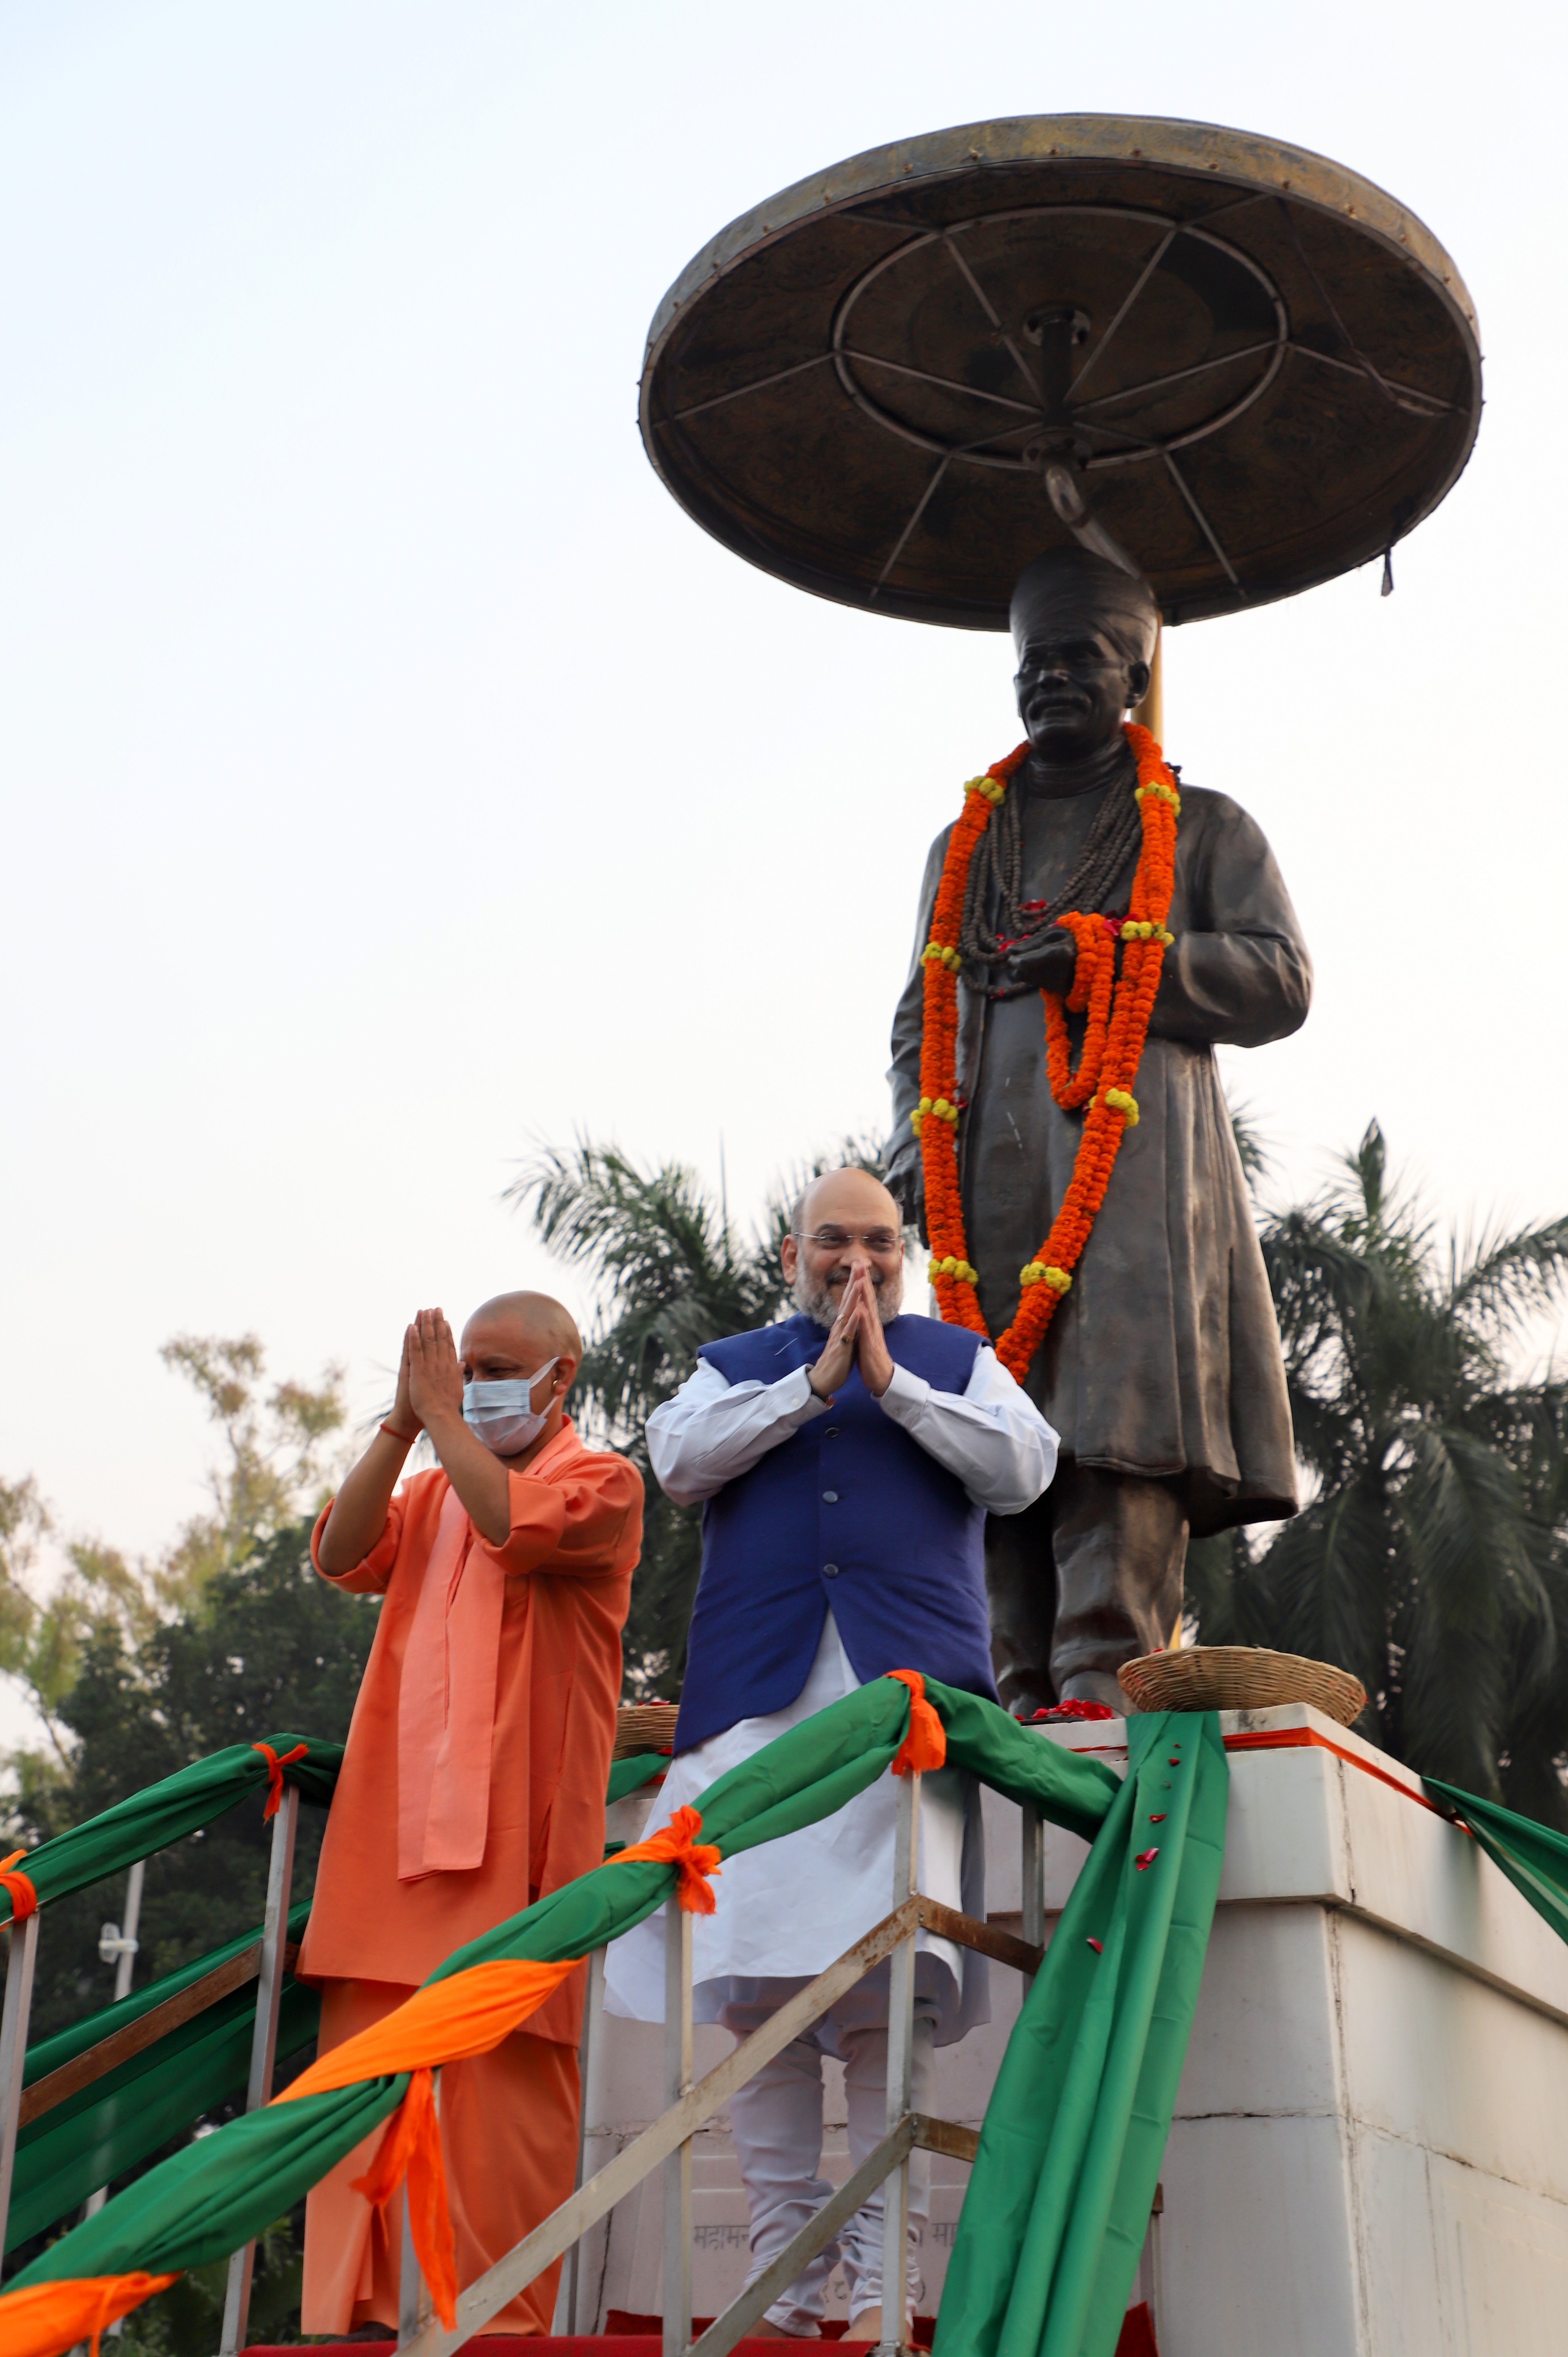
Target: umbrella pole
x,y
1151,713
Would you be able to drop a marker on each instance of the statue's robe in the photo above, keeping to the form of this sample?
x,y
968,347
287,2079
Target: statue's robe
x,y
1164,1359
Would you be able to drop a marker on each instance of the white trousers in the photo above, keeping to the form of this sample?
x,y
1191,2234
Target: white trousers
x,y
777,2118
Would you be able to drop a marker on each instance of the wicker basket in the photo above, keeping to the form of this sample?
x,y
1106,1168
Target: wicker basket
x,y
644,1727
1239,1677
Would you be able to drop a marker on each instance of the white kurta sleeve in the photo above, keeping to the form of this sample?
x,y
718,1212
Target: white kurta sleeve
x,y
713,1431
993,1438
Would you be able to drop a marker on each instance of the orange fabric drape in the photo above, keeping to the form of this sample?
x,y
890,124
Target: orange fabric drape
x,y
48,2316
676,1845
1293,1738
925,1744
509,2139
274,1773
410,2148
23,1897
444,2022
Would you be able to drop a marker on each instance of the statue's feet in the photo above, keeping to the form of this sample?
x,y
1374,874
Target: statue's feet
x,y
1096,1686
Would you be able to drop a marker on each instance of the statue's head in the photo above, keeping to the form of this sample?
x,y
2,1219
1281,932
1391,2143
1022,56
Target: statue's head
x,y
1085,632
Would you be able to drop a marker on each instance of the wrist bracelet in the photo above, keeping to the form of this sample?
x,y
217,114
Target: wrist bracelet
x,y
407,1438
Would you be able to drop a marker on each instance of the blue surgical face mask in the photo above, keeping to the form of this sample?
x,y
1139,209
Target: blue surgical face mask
x,y
501,1414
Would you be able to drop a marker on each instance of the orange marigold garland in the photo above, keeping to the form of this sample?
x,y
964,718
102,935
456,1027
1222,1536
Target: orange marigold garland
x,y
1116,1007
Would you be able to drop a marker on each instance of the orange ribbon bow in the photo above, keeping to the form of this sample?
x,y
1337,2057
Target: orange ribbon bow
x,y
676,1843
274,1773
23,1897
410,2148
925,1744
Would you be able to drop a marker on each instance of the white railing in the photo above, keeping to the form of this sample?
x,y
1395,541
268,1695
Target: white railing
x,y
266,1963
263,2041
667,2143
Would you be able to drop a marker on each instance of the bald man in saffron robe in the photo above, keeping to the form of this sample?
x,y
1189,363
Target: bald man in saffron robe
x,y
474,1777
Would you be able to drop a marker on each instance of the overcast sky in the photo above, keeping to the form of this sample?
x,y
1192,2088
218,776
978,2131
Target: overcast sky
x,y
396,778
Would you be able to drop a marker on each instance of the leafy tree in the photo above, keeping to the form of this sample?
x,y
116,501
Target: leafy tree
x,y
277,1457
272,1647
276,1463
669,1272
1432,1556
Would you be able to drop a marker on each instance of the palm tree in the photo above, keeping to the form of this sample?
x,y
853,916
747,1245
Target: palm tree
x,y
1432,1557
669,1272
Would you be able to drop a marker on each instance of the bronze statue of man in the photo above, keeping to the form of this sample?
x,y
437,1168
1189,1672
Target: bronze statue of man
x,y
1160,1369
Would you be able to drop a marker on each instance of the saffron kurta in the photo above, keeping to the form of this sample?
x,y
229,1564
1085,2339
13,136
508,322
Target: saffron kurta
x,y
576,1525
1164,1361
483,1730
509,2140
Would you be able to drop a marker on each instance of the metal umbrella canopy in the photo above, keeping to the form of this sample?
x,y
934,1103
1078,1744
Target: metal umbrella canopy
x,y
1235,365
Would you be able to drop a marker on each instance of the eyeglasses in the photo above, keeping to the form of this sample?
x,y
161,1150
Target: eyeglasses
x,y
880,1242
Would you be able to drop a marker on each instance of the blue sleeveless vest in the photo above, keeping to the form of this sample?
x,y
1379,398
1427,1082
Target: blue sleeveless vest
x,y
849,1512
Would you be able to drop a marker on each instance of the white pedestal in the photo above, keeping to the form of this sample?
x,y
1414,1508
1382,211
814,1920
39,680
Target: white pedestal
x,y
1369,2153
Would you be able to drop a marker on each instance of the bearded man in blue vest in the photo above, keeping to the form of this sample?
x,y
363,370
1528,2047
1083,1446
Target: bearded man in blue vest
x,y
846,1460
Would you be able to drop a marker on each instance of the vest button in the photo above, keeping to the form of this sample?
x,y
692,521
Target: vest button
x,y
830,1432
830,1497
829,1571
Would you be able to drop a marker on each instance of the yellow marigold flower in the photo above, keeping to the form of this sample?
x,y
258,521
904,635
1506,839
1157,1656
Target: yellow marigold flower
x,y
1039,1272
1123,1102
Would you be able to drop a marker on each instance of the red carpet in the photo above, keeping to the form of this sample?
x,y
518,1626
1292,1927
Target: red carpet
x,y
518,2344
638,2336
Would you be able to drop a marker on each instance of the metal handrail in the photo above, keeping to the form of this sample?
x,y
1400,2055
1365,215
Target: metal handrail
x,y
17,2109
667,2141
263,2041
122,2045
19,1968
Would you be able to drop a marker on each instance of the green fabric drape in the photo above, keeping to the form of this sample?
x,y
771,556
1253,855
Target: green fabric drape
x,y
115,2123
166,1812
627,1775
1058,2201
206,2200
109,2127
1069,2155
1532,1855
